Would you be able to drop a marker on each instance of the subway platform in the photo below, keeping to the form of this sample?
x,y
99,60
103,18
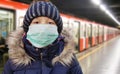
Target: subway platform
x,y
102,59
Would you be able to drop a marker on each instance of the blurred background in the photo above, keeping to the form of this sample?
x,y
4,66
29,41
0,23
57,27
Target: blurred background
x,y
92,22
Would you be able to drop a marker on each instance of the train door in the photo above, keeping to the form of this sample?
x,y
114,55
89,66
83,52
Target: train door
x,y
102,34
76,32
105,33
7,23
108,33
99,33
82,36
96,30
74,27
93,34
88,35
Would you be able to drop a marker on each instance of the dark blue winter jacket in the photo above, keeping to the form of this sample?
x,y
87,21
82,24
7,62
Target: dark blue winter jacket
x,y
43,58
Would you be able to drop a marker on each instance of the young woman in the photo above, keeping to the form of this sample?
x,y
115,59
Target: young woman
x,y
40,46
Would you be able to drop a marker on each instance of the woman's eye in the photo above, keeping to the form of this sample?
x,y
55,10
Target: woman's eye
x,y
51,23
35,22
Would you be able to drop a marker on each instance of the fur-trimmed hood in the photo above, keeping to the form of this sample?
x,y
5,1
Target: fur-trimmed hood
x,y
18,55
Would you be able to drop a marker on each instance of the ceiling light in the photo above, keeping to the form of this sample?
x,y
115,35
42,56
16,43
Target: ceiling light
x,y
110,14
97,2
103,7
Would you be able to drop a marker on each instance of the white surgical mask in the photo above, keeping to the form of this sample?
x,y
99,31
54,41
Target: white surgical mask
x,y
41,35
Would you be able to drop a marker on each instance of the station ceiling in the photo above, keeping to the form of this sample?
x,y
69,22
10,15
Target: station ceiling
x,y
86,9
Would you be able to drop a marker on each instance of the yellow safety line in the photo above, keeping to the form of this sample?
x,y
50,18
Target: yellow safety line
x,y
93,51
89,53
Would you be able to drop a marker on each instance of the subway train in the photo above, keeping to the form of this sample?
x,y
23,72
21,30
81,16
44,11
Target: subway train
x,y
86,33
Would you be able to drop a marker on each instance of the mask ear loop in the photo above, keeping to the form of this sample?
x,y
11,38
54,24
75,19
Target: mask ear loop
x,y
61,38
24,38
23,35
58,39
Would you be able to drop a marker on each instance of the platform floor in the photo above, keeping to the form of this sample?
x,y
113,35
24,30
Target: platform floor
x,y
104,59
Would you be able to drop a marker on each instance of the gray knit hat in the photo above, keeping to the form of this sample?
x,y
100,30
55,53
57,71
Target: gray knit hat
x,y
42,8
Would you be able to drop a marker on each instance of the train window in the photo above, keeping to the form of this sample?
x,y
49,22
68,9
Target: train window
x,y
88,30
71,23
82,30
100,30
65,25
20,20
93,30
6,24
65,22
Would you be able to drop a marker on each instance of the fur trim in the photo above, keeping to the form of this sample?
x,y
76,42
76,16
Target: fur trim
x,y
20,57
67,55
16,52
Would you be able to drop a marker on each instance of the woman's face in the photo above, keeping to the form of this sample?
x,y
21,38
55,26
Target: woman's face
x,y
42,20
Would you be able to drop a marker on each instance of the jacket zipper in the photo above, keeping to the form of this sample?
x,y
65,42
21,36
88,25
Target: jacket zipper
x,y
41,57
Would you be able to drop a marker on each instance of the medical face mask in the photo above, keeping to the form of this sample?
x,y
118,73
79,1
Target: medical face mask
x,y
41,35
